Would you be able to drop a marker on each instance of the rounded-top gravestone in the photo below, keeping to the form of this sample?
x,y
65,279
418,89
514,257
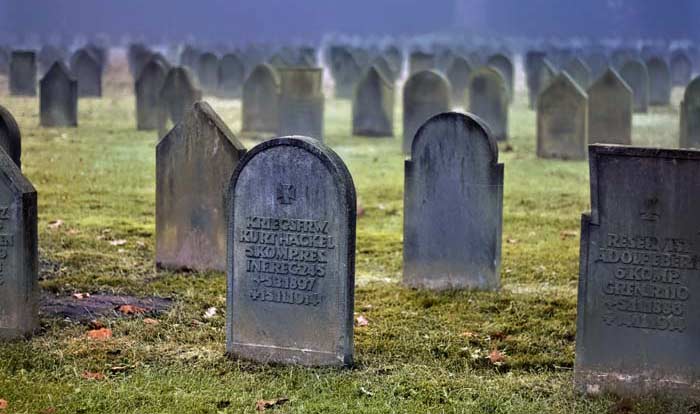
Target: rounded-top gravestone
x,y
148,86
659,82
177,95
260,100
10,137
690,116
635,74
458,73
231,75
87,70
425,94
504,66
681,68
373,106
488,99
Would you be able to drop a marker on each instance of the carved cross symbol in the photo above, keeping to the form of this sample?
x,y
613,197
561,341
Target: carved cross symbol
x,y
286,193
650,210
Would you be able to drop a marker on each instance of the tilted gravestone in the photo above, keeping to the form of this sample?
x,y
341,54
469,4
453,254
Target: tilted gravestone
x,y
291,255
562,120
659,82
231,76
425,94
260,100
690,116
579,72
87,70
175,98
681,68
208,73
421,61
458,73
23,72
19,256
504,66
58,98
638,318
301,102
488,99
635,74
147,88
194,163
10,137
373,106
610,104
453,206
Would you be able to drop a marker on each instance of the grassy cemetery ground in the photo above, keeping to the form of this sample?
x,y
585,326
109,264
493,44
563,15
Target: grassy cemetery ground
x,y
505,352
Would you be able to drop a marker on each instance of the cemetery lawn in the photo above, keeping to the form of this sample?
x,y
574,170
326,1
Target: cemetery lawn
x,y
451,352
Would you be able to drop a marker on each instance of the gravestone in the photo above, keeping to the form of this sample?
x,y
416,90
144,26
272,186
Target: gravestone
x,y
208,73
534,60
562,120
579,72
139,56
291,255
194,163
598,63
23,73
175,98
458,73
621,56
189,57
385,69
373,106
147,88
87,70
47,56
231,76
505,67
635,74
19,261
58,98
681,68
301,102
394,56
100,54
425,94
545,76
346,75
260,100
488,99
690,116
10,137
453,206
659,82
638,317
421,61
610,104
4,61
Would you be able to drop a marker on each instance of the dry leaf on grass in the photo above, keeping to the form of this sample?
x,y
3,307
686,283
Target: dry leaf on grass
x,y
262,405
496,357
131,309
467,334
93,376
100,334
3,404
150,321
362,321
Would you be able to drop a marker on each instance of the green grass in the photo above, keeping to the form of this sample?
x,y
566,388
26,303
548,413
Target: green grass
x,y
422,351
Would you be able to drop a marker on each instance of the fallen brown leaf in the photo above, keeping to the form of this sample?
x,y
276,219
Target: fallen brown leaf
x,y
151,321
3,404
131,309
496,357
93,376
362,321
100,334
262,405
467,334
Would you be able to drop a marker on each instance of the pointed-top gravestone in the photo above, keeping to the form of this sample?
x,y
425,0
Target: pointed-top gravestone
x,y
610,104
659,82
86,68
488,99
208,73
19,258
373,106
579,72
148,87
194,163
260,100
176,97
10,137
301,102
291,255
639,279
690,116
458,73
504,66
231,76
58,98
681,68
421,61
562,120
635,74
23,73
453,206
425,94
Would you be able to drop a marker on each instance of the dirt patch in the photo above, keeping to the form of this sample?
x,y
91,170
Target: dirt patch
x,y
98,306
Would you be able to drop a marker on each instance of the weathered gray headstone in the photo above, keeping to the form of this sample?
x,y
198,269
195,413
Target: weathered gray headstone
x,y
394,56
190,57
421,61
659,82
194,163
147,88
534,61
87,70
681,68
635,74
425,94
47,56
260,100
291,255
346,75
301,102
208,73
579,72
373,106
690,116
488,99
10,137
458,73
138,55
610,104
19,257
231,76
453,206
638,319
562,120
504,66
58,98
175,98
545,76
23,73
